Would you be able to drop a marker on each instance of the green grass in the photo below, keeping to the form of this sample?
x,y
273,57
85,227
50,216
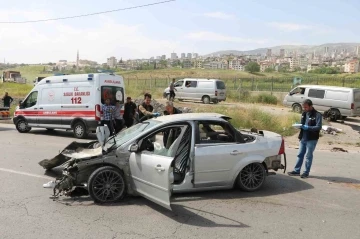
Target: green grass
x,y
15,90
30,72
244,118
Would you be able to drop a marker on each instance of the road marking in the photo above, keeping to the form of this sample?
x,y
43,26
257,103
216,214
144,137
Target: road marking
x,y
25,174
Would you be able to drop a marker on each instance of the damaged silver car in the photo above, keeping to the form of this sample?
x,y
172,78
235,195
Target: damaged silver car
x,y
168,154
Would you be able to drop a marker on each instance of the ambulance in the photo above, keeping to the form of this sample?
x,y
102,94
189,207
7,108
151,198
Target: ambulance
x,y
69,102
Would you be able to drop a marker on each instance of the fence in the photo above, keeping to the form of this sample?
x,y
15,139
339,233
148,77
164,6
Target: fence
x,y
247,84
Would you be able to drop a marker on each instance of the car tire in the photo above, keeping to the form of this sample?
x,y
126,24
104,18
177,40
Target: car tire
x,y
107,185
22,126
206,99
251,177
79,130
297,108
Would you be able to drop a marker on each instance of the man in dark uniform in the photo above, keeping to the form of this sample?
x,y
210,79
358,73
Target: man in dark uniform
x,y
129,112
146,109
7,100
311,121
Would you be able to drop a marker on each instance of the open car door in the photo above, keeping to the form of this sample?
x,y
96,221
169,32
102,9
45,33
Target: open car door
x,y
151,177
157,160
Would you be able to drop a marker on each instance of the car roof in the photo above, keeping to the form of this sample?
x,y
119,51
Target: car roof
x,y
191,116
326,87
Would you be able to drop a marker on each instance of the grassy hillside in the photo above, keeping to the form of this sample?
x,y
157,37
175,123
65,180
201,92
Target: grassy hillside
x,y
30,72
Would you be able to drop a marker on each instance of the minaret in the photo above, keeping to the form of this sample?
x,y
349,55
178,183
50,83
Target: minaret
x,y
77,61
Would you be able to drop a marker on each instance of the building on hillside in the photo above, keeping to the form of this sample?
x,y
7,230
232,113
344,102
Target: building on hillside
x,y
264,65
282,53
187,63
352,66
111,62
189,56
198,64
217,65
303,62
312,67
173,56
195,55
268,53
237,65
182,55
294,63
358,50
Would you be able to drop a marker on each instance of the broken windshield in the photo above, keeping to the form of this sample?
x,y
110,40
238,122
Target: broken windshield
x,y
130,133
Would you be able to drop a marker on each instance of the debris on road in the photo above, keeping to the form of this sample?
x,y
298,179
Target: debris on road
x,y
326,129
50,184
336,149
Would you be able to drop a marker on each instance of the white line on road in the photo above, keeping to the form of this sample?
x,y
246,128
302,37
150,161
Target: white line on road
x,y
25,174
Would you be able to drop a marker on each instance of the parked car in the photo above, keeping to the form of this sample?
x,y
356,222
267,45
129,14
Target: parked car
x,y
70,102
199,151
341,102
205,90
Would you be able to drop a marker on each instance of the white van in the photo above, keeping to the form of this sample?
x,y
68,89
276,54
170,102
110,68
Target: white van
x,y
341,101
71,102
205,90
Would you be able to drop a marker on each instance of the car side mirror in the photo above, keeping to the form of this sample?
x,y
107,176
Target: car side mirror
x,y
134,148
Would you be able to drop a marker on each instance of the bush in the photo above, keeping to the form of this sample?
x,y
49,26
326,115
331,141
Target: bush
x,y
266,99
244,118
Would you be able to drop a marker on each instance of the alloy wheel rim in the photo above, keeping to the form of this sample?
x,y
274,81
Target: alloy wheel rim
x,y
22,126
108,186
79,130
252,176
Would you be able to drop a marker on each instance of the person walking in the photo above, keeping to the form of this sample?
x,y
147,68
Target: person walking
x,y
146,109
108,114
311,121
119,122
129,112
7,100
172,90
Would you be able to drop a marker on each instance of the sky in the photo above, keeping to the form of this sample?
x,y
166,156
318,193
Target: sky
x,y
201,26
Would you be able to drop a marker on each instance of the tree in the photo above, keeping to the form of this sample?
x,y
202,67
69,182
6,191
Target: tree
x,y
269,69
252,67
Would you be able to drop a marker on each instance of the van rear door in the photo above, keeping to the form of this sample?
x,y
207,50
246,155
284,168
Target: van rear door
x,y
112,87
220,90
356,104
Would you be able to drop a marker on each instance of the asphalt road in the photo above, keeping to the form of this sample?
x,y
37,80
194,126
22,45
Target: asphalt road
x,y
323,206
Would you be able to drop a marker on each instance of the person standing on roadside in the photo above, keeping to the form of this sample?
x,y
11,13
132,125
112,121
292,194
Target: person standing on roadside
x,y
7,100
119,122
108,114
129,112
146,109
172,90
311,121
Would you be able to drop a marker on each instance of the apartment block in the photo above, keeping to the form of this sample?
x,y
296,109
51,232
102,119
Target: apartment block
x,y
187,63
351,66
236,65
112,62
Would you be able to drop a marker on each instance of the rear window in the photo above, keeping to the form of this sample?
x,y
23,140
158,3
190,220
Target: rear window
x,y
313,93
220,85
357,96
113,93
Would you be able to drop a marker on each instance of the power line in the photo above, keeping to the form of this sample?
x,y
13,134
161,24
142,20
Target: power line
x,y
89,14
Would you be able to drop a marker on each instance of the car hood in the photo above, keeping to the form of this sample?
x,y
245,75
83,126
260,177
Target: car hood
x,y
75,150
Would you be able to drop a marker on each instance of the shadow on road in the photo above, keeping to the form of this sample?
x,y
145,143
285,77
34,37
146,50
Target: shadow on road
x,y
275,185
6,129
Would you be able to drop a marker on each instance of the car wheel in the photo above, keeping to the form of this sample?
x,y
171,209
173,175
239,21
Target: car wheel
x,y
80,130
297,108
206,99
252,177
107,185
22,126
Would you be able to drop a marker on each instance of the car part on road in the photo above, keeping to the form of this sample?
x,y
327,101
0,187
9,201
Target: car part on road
x,y
252,177
106,185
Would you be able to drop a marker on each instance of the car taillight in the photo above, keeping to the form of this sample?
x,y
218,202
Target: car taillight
x,y
97,113
216,93
352,106
282,147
